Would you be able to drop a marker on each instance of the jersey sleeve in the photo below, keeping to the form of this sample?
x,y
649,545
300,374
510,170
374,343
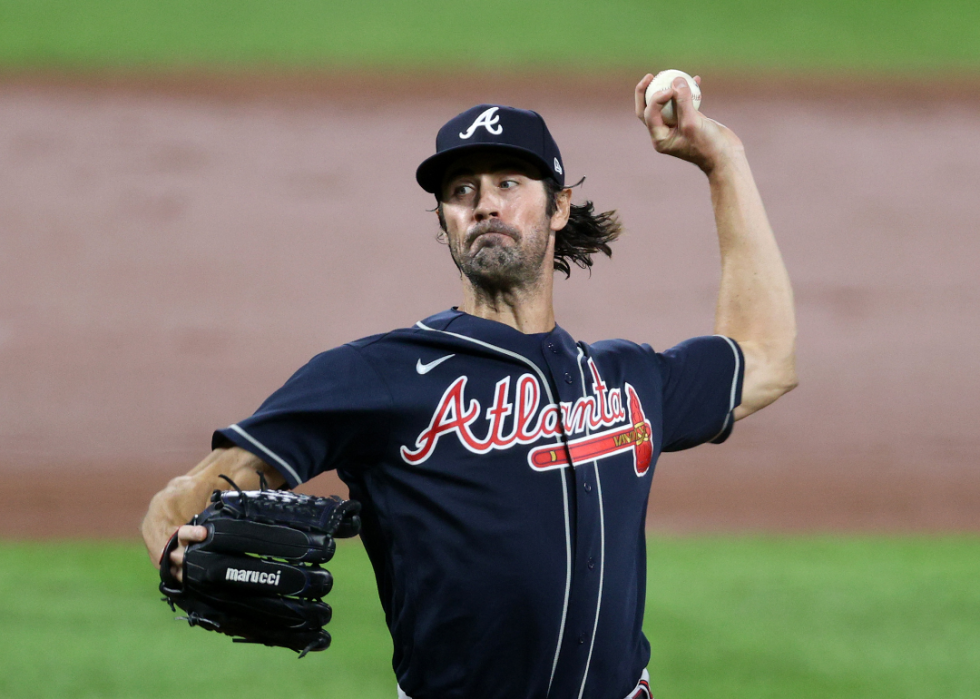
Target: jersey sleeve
x,y
332,412
702,386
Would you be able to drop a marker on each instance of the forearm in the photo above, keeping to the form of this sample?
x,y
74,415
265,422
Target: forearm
x,y
755,299
187,495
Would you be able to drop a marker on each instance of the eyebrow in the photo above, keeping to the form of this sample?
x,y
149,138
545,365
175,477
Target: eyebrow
x,y
524,169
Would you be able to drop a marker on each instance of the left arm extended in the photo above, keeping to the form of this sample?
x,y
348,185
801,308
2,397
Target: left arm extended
x,y
755,299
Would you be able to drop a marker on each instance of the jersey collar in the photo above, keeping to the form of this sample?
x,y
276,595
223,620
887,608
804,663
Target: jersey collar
x,y
500,334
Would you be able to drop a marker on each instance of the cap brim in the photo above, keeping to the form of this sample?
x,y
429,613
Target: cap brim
x,y
430,173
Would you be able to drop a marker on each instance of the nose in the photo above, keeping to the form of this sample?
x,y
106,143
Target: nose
x,y
487,203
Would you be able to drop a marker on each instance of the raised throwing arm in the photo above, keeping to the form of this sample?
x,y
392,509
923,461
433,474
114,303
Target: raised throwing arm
x,y
755,299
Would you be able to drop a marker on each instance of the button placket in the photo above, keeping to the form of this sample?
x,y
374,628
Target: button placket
x,y
565,374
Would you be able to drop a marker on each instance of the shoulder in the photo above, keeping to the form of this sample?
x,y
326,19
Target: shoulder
x,y
695,345
692,355
381,353
349,360
707,348
410,334
370,345
618,350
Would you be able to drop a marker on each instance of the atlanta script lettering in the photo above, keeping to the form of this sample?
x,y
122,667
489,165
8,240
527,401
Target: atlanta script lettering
x,y
529,423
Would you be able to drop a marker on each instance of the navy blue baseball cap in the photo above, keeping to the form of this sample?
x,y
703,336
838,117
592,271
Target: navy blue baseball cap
x,y
492,127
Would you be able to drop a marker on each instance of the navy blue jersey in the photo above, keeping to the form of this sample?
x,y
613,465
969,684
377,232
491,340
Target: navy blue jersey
x,y
504,478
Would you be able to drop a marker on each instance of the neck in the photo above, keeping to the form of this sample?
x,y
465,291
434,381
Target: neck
x,y
527,309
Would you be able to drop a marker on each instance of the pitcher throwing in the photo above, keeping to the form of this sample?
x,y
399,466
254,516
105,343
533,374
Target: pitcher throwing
x,y
503,467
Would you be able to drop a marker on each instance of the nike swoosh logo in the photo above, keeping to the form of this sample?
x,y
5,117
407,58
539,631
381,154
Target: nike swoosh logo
x,y
426,368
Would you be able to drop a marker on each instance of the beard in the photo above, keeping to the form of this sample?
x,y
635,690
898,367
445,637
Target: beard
x,y
493,266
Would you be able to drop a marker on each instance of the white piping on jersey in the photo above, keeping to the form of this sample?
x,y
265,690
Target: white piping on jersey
x,y
568,579
564,487
602,573
731,402
515,355
278,459
602,541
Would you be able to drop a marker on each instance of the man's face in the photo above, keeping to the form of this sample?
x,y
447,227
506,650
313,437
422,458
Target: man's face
x,y
495,210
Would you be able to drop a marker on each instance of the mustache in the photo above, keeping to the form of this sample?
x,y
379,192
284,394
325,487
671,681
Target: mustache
x,y
491,226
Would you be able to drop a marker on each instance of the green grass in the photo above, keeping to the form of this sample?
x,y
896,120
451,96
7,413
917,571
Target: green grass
x,y
873,36
85,620
809,618
734,616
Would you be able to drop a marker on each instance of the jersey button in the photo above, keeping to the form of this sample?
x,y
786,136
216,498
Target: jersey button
x,y
581,640
553,347
568,377
591,564
588,487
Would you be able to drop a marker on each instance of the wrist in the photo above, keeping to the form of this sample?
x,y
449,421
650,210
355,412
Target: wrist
x,y
729,154
725,164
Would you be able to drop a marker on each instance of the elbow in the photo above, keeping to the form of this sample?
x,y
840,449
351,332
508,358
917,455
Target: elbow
x,y
779,366
789,381
788,386
766,380
784,379
779,385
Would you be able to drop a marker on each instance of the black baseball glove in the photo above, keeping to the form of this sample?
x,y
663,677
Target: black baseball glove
x,y
257,575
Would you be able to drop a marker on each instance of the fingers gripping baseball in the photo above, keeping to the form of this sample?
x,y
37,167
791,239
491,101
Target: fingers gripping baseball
x,y
652,113
695,137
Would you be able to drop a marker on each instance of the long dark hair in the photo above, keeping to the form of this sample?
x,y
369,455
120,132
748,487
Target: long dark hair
x,y
585,233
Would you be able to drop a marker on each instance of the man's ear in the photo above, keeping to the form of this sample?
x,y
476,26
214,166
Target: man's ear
x,y
563,209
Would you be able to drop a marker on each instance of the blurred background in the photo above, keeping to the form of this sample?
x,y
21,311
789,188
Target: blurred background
x,y
196,197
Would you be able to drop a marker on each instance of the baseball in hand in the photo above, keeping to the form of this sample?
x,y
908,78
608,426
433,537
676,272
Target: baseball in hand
x,y
663,82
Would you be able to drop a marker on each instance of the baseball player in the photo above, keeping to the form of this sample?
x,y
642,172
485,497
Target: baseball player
x,y
503,466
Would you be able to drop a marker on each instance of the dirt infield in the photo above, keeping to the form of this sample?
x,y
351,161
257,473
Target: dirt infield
x,y
172,251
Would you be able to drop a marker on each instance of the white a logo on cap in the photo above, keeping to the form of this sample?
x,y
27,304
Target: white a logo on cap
x,y
558,167
487,120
